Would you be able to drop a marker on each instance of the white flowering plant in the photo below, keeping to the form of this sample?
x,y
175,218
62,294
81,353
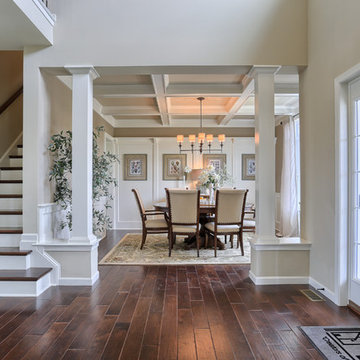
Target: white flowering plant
x,y
210,178
187,169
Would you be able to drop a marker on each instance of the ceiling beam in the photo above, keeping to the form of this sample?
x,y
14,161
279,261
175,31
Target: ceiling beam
x,y
123,91
207,90
160,83
248,86
129,110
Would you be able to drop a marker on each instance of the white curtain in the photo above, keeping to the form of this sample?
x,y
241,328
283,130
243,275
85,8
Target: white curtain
x,y
289,223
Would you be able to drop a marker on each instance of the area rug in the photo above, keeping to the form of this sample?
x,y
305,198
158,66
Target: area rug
x,y
155,252
335,342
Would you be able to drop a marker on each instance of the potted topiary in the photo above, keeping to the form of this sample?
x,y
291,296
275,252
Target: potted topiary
x,y
60,148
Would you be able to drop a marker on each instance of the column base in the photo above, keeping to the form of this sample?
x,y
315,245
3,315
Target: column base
x,y
279,260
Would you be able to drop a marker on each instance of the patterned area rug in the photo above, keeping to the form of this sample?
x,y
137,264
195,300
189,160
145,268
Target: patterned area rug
x,y
335,342
155,252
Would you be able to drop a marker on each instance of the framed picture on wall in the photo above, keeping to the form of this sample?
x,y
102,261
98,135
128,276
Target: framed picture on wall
x,y
248,166
218,161
173,166
135,167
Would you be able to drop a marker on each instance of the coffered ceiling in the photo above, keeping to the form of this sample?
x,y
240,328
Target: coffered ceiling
x,y
170,100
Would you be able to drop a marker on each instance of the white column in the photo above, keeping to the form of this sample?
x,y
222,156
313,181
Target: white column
x,y
264,151
82,129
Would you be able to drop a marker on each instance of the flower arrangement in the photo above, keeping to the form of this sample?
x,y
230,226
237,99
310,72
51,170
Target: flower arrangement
x,y
210,178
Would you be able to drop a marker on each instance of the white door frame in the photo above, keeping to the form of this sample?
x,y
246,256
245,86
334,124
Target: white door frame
x,y
342,184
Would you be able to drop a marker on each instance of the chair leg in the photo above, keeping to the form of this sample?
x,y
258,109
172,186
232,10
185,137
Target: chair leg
x,y
232,241
173,241
225,236
240,239
170,242
144,233
215,243
206,239
197,243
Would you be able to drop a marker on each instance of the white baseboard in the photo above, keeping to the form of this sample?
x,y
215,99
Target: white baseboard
x,y
73,281
326,292
278,280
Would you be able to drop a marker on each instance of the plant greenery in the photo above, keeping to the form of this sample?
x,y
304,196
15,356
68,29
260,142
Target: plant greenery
x,y
60,148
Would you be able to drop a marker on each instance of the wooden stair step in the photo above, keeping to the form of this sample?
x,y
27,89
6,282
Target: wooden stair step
x,y
13,251
20,146
15,156
32,274
11,212
11,196
11,230
11,181
7,168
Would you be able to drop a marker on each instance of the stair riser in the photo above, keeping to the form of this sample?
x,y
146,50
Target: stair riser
x,y
10,240
15,262
10,220
25,288
15,162
10,204
10,188
19,151
11,175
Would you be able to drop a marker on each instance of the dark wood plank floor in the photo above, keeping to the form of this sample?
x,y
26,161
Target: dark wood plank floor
x,y
165,312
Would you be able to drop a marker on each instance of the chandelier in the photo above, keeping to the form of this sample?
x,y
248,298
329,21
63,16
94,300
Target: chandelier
x,y
201,137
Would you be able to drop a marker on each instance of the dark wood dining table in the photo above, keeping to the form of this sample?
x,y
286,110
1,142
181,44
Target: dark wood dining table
x,y
204,208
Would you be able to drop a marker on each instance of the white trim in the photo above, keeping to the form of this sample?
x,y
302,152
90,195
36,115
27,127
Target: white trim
x,y
278,280
75,281
341,184
68,246
11,147
51,18
326,292
278,244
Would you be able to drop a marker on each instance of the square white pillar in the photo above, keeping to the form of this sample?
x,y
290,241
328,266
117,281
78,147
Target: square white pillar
x,y
82,129
264,150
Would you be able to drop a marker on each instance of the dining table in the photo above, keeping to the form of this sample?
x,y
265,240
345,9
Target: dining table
x,y
207,209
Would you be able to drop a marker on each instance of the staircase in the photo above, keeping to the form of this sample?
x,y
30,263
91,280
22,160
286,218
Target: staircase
x,y
17,277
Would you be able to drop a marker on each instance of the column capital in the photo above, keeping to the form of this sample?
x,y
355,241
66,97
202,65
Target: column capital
x,y
82,69
256,70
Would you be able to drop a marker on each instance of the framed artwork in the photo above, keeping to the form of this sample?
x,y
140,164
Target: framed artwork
x,y
218,161
248,166
173,166
135,167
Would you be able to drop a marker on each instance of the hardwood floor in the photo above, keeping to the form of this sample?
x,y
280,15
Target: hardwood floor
x,y
165,312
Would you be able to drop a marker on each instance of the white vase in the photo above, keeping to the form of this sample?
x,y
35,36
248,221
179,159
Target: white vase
x,y
212,196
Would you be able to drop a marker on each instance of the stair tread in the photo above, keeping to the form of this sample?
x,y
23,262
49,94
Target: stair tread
x,y
11,168
11,181
15,156
31,274
11,230
13,251
10,196
19,146
11,212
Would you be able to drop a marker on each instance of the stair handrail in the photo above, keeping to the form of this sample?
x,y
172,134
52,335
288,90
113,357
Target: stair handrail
x,y
10,100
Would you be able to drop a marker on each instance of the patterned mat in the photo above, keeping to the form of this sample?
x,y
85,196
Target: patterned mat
x,y
335,342
155,252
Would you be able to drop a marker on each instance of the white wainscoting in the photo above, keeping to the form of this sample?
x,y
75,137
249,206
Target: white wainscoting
x,y
153,189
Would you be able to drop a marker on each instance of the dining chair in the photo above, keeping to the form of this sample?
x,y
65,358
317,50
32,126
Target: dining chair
x,y
184,214
229,216
249,220
150,226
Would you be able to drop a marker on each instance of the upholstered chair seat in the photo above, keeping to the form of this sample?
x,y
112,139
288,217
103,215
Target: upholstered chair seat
x,y
156,223
184,229
249,223
150,226
229,216
184,213
223,228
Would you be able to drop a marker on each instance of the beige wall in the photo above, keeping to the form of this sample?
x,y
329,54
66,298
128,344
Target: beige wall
x,y
334,38
167,131
11,75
